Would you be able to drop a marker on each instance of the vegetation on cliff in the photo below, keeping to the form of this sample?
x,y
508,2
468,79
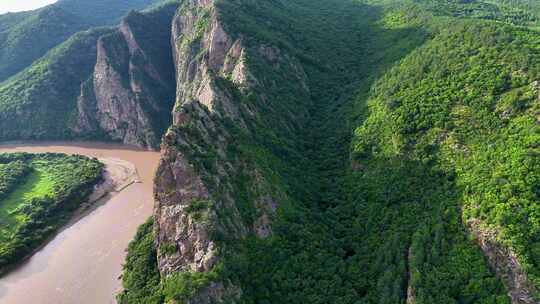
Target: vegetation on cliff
x,y
322,151
141,276
418,122
39,193
142,281
45,94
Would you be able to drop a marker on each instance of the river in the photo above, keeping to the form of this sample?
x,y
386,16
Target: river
x,y
82,264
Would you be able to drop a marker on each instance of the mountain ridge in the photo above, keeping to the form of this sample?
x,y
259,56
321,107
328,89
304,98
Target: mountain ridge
x,y
244,226
322,151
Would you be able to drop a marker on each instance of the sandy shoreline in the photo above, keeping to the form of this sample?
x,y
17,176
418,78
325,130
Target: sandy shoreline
x,y
117,175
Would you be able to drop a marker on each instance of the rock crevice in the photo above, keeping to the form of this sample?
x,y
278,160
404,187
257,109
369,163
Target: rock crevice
x,y
505,264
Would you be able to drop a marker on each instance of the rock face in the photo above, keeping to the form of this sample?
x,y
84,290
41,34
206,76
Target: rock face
x,y
505,263
196,186
178,184
131,91
411,292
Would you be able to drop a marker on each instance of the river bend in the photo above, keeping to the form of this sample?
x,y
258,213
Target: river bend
x,y
82,264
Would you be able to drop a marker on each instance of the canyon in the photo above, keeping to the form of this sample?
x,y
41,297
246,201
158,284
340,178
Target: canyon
x,y
332,151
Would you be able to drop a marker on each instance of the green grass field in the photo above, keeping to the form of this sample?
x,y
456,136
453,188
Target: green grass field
x,y
37,185
38,194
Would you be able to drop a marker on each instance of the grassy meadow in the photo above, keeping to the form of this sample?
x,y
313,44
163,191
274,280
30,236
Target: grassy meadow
x,y
38,194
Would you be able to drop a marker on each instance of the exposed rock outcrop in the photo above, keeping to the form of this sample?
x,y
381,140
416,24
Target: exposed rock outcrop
x,y
411,292
131,92
201,49
505,264
177,186
196,187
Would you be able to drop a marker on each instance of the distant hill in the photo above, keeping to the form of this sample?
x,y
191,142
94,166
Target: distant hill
x,y
26,36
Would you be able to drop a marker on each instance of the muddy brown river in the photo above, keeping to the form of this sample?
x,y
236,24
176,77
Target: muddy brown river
x,y
82,264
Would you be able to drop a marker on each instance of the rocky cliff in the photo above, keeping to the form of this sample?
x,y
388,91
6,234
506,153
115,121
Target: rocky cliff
x,y
208,196
102,84
506,264
131,91
179,183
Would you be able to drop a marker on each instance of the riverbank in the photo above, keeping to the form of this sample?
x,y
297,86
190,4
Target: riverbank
x,y
43,201
82,263
117,175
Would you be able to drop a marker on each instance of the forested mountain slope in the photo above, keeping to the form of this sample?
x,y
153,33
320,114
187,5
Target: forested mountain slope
x,y
26,36
465,105
321,151
344,151
516,12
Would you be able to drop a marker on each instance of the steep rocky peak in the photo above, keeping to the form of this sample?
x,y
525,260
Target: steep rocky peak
x,y
127,32
195,202
178,184
133,82
204,3
203,49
